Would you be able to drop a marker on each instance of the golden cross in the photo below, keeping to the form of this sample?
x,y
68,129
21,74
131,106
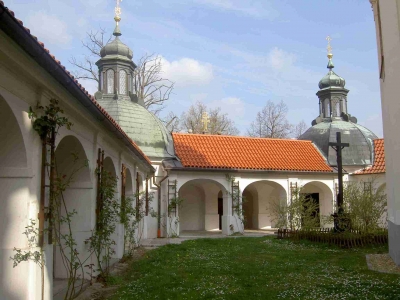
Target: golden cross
x,y
118,11
205,120
329,48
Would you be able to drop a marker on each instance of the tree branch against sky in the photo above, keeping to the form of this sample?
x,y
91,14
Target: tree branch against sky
x,y
148,82
220,123
299,129
271,122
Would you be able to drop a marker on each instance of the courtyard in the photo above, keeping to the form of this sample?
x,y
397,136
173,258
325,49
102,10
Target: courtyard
x,y
254,268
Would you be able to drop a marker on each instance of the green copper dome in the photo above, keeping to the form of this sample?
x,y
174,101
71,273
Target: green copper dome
x,y
116,48
142,126
331,79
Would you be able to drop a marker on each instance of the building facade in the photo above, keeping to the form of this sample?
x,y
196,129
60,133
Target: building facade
x,y
387,24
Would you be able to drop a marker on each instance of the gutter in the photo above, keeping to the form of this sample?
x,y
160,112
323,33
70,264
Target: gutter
x,y
16,31
159,202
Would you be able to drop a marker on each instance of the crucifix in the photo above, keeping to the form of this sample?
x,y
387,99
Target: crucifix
x,y
338,146
205,120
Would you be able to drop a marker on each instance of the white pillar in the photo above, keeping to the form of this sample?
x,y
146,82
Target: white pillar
x,y
227,214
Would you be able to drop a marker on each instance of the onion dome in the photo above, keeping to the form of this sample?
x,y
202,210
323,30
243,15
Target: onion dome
x,y
331,80
116,48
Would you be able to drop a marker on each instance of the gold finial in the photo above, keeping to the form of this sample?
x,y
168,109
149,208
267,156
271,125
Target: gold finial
x,y
329,48
117,17
205,120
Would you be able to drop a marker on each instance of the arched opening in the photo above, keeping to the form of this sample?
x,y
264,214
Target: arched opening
x,y
129,192
108,166
15,196
72,168
327,108
261,200
122,82
320,193
110,81
202,206
12,148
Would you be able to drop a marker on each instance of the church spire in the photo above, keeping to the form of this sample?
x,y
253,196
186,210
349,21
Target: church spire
x,y
117,18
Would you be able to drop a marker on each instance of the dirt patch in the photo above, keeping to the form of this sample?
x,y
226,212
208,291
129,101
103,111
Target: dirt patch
x,y
382,263
100,291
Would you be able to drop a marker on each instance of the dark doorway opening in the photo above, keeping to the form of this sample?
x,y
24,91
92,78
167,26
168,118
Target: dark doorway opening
x,y
220,211
314,199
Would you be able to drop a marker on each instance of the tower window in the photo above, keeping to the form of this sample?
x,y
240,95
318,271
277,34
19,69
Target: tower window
x,y
327,109
101,81
122,82
337,109
110,81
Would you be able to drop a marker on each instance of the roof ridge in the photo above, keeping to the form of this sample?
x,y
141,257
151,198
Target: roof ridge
x,y
241,137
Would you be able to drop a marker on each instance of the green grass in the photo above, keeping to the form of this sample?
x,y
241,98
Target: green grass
x,y
256,268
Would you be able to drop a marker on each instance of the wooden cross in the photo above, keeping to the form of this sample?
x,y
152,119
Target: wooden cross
x,y
205,120
338,146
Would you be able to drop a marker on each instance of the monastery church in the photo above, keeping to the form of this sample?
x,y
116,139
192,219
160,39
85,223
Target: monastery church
x,y
203,170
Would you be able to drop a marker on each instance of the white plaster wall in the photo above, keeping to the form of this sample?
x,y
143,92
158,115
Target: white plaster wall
x,y
389,10
191,214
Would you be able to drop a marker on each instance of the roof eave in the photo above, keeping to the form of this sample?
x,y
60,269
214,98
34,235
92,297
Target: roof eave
x,y
295,172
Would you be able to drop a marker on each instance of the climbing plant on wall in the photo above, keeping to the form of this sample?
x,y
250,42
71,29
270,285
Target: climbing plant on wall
x,y
237,204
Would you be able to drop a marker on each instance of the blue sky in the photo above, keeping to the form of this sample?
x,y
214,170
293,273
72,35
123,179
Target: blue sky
x,y
235,54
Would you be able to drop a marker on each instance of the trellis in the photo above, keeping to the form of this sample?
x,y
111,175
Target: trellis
x,y
123,189
99,198
172,195
42,215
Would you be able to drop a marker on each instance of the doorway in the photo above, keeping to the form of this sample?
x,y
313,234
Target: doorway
x,y
220,210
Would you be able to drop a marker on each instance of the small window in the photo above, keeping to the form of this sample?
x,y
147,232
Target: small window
x,y
337,109
101,80
327,109
110,81
122,82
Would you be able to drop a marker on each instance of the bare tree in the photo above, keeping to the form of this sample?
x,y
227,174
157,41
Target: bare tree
x,y
191,120
271,122
171,121
299,129
148,82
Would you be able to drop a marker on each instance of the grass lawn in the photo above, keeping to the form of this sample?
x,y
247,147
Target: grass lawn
x,y
256,268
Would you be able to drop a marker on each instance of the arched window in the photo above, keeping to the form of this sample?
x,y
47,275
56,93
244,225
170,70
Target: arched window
x,y
101,78
337,109
327,109
110,81
122,82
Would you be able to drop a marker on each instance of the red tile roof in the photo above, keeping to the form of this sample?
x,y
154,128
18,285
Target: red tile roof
x,y
75,81
379,160
234,152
